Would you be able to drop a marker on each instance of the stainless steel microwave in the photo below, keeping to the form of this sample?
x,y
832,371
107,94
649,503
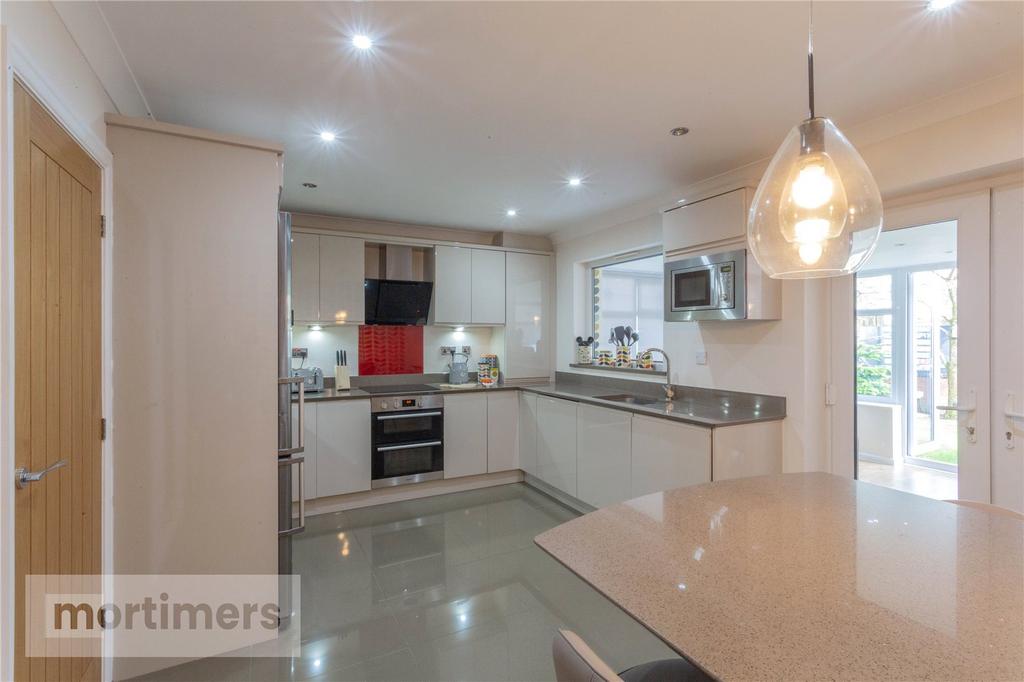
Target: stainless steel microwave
x,y
711,287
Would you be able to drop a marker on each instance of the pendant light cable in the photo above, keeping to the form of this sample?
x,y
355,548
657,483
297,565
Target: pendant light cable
x,y
810,57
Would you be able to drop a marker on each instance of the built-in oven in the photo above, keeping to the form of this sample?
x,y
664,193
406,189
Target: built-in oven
x,y
407,439
711,287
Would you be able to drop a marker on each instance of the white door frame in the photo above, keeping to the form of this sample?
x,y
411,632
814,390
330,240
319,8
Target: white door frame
x,y
972,213
16,62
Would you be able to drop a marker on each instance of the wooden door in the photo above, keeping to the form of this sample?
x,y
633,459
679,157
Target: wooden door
x,y
57,369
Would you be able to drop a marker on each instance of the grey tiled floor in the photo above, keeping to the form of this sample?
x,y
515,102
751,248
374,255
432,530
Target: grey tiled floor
x,y
444,588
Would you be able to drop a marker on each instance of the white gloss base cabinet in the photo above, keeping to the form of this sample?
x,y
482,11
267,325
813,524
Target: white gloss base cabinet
x,y
465,435
342,447
668,455
528,433
502,431
556,443
747,450
603,455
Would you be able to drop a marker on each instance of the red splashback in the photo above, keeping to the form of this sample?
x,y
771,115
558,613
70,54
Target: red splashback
x,y
384,349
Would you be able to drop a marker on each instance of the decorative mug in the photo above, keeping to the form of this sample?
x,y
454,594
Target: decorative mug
x,y
584,355
622,356
646,360
604,358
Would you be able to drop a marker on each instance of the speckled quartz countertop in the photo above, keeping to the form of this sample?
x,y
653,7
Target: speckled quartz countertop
x,y
702,407
810,577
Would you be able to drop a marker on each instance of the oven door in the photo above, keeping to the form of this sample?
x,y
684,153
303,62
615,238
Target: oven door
x,y
407,447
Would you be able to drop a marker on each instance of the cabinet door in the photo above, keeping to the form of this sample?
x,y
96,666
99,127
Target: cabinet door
x,y
502,431
603,448
342,447
465,435
305,277
309,441
342,298
668,455
556,443
709,220
453,277
528,432
527,323
488,287
746,450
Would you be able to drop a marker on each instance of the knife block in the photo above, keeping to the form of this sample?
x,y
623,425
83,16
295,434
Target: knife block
x,y
342,381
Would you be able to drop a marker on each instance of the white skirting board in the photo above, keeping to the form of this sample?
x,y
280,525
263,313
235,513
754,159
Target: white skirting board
x,y
401,493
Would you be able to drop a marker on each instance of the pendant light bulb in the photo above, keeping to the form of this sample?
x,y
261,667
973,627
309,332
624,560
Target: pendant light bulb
x,y
817,211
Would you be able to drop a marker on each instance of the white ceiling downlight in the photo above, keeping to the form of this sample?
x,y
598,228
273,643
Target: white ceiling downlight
x,y
939,5
328,136
511,213
362,42
679,132
575,182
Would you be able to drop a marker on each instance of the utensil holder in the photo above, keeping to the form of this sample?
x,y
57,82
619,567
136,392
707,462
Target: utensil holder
x,y
342,381
605,358
584,355
622,356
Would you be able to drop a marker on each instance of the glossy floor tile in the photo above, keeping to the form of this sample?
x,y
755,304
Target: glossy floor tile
x,y
446,588
933,483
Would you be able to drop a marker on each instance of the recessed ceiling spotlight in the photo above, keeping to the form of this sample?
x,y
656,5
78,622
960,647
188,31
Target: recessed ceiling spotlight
x,y
900,244
328,136
938,5
511,213
575,182
681,201
362,42
309,185
679,132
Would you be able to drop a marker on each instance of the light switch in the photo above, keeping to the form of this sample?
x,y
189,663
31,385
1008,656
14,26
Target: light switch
x,y
702,357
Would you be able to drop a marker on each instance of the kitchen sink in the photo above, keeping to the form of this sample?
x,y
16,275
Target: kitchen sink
x,y
631,399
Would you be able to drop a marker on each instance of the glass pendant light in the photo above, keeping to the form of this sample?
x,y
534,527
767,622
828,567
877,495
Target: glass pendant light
x,y
817,211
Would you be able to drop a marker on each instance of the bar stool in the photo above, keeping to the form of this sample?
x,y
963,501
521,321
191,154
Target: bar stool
x,y
577,662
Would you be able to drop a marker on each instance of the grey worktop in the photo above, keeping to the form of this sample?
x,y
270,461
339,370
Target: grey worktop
x,y
700,406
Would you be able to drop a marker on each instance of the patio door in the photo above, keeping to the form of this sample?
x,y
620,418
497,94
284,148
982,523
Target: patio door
x,y
911,354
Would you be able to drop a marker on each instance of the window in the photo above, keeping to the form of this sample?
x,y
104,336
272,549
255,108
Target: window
x,y
874,336
629,293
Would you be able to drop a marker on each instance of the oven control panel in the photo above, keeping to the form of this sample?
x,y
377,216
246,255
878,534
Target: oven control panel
x,y
407,402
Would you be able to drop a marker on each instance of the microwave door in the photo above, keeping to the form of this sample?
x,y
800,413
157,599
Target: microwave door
x,y
692,289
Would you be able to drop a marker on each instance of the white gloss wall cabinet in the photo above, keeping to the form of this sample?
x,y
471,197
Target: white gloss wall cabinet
x,y
603,455
528,432
453,277
668,455
465,435
309,454
342,447
556,443
488,287
327,278
305,277
502,431
747,450
342,264
527,316
707,222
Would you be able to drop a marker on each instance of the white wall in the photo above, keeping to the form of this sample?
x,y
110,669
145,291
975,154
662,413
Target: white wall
x,y
322,344
789,357
36,29
1007,343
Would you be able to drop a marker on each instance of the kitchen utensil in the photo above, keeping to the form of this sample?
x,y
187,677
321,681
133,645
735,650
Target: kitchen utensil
x,y
458,371
634,337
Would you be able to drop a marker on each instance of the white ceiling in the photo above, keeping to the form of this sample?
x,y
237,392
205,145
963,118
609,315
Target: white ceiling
x,y
913,246
463,110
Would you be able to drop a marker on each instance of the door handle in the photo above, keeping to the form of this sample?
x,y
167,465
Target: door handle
x,y
301,461
409,446
410,415
970,408
22,477
301,427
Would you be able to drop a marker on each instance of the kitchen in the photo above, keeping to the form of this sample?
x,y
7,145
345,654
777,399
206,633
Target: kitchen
x,y
525,335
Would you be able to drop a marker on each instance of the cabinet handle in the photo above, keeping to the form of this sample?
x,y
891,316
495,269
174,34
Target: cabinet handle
x,y
384,417
409,446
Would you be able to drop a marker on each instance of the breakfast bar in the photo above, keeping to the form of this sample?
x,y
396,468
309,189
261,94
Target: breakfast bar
x,y
810,576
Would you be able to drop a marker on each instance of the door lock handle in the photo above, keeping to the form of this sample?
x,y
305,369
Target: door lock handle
x,y
22,477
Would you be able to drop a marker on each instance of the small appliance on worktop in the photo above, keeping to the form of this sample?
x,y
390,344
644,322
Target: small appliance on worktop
x,y
407,435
